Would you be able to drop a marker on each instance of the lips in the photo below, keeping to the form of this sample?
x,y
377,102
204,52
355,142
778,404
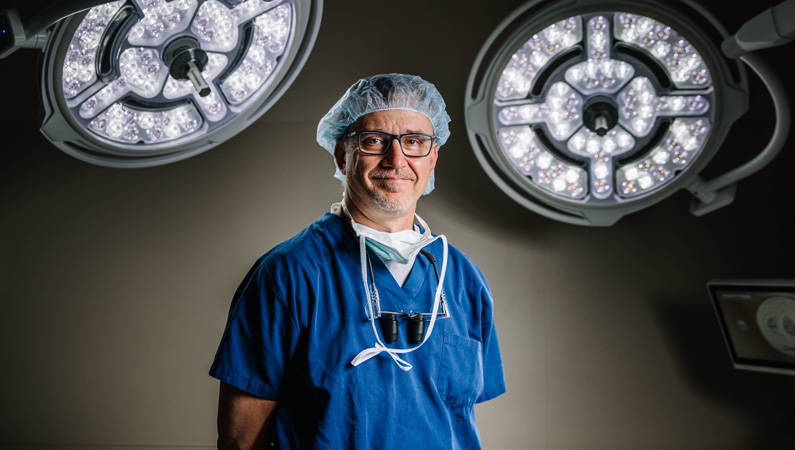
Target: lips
x,y
391,179
392,176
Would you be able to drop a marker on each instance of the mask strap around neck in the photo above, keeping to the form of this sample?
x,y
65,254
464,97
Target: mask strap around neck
x,y
379,347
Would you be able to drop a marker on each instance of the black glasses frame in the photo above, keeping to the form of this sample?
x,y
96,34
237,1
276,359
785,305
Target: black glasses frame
x,y
391,137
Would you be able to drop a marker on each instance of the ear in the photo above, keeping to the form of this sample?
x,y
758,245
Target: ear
x,y
434,155
339,155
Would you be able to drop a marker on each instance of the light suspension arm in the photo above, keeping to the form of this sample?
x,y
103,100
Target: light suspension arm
x,y
775,26
33,33
718,192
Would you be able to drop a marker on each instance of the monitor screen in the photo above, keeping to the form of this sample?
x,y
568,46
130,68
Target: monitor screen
x,y
757,318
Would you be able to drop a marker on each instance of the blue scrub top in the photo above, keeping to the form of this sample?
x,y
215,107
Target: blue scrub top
x,y
300,316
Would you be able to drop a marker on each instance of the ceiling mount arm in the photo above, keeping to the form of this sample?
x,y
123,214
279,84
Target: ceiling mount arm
x,y
773,27
33,33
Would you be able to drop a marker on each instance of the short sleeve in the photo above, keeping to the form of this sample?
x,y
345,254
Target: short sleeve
x,y
259,339
493,374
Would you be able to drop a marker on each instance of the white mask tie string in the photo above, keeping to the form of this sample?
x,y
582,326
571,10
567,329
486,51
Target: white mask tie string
x,y
379,347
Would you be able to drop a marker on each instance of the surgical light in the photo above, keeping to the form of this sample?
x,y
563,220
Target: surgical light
x,y
586,111
136,83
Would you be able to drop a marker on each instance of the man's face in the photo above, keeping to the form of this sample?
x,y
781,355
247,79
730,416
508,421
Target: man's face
x,y
391,183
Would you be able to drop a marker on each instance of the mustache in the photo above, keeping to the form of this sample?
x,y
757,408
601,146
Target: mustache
x,y
386,173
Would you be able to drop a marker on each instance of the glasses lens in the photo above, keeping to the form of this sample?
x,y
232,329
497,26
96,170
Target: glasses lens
x,y
416,144
373,142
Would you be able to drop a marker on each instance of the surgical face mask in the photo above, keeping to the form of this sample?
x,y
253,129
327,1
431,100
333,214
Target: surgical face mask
x,y
400,247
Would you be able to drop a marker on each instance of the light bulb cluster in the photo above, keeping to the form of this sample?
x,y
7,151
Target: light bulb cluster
x,y
161,20
124,123
637,108
599,72
141,72
274,27
530,157
680,59
79,68
218,27
561,112
215,26
587,143
102,99
601,150
249,9
640,106
271,31
518,76
683,140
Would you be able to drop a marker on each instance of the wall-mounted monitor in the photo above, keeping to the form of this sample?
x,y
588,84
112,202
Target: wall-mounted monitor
x,y
757,318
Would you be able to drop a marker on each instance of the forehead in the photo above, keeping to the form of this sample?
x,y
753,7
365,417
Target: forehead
x,y
394,121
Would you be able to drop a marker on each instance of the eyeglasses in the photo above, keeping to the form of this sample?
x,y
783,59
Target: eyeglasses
x,y
415,145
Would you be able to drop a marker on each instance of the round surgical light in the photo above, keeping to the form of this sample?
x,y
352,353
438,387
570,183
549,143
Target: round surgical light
x,y
136,83
589,110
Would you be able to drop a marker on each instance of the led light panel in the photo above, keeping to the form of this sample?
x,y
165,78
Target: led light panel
x,y
128,76
640,103
589,110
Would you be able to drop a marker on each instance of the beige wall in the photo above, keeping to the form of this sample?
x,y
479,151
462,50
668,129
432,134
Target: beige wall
x,y
115,284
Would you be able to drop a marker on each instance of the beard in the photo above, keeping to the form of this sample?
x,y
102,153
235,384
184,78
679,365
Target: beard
x,y
392,205
386,203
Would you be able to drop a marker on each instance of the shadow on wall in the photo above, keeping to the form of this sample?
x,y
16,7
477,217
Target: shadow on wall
x,y
763,401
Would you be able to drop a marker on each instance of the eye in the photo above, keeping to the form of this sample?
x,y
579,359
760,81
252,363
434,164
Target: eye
x,y
415,140
372,139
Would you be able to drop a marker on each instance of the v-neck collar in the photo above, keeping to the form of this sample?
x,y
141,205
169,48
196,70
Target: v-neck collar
x,y
406,295
409,297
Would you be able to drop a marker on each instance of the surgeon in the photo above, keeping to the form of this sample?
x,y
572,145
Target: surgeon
x,y
364,330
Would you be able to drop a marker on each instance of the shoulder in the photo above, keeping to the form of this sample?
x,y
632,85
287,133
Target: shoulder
x,y
461,259
308,249
461,267
459,255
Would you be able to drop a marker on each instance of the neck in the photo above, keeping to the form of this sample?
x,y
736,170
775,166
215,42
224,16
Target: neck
x,y
389,223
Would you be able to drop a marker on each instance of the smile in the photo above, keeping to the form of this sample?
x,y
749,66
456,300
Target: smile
x,y
391,176
392,179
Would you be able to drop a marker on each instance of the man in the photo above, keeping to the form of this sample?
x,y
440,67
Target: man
x,y
350,335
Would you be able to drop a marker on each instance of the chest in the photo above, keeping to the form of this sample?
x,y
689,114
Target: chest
x,y
335,325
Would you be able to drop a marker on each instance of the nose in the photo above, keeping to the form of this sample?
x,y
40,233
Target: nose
x,y
394,156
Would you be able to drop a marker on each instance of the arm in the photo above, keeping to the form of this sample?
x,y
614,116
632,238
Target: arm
x,y
242,418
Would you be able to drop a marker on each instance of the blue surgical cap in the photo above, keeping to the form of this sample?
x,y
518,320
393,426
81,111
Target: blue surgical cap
x,y
379,93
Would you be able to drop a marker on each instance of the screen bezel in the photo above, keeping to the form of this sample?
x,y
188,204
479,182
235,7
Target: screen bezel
x,y
785,287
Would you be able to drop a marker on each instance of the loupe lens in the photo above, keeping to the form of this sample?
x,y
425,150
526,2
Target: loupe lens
x,y
416,329
389,327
